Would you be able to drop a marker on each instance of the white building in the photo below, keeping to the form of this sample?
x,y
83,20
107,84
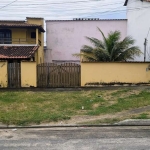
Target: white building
x,y
138,25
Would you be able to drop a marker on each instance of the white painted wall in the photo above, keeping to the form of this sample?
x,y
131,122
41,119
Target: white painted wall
x,y
65,38
138,25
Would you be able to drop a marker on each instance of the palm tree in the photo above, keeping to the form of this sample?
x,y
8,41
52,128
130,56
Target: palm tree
x,y
110,49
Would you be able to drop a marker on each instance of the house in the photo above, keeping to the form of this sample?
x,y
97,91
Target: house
x,y
66,37
21,49
138,25
22,40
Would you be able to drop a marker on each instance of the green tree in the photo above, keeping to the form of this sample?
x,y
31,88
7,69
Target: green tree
x,y
111,48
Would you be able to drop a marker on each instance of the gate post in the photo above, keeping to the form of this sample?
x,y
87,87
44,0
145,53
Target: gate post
x,y
28,74
3,74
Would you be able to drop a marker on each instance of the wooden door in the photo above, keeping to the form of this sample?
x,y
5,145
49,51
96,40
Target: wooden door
x,y
14,75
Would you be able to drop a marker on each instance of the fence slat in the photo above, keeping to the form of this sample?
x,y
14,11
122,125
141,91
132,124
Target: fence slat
x,y
63,75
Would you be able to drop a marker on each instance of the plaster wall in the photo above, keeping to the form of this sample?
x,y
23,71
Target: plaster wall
x,y
3,74
65,38
138,25
39,56
28,74
115,72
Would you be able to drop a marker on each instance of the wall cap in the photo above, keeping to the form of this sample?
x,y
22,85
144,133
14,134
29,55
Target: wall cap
x,y
114,62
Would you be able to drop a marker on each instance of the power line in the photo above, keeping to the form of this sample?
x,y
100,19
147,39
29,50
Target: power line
x,y
97,12
25,3
24,6
40,11
112,11
8,4
74,9
118,11
55,3
62,2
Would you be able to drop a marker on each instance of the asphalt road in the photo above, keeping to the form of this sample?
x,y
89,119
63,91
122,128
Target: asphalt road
x,y
77,138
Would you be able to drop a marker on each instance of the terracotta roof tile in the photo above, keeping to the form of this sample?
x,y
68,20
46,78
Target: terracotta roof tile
x,y
21,24
17,52
13,21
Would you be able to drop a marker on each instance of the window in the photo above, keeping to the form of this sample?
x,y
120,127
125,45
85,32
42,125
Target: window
x,y
33,35
5,36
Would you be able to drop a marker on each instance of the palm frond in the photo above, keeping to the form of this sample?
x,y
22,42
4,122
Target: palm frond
x,y
112,39
96,42
130,53
126,42
104,38
89,56
110,49
87,49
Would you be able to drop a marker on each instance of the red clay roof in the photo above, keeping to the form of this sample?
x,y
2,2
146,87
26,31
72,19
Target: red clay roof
x,y
17,52
20,25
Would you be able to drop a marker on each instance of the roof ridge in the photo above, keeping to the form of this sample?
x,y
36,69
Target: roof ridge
x,y
22,25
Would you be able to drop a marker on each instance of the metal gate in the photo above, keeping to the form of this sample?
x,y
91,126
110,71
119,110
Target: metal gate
x,y
63,75
14,75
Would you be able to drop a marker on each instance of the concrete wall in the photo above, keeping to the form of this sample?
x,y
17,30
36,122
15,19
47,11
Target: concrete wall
x,y
65,38
115,72
139,24
28,74
3,74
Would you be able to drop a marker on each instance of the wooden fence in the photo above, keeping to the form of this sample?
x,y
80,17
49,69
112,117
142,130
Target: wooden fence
x,y
63,75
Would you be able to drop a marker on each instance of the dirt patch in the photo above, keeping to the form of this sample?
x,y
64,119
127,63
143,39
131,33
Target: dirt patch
x,y
96,105
121,115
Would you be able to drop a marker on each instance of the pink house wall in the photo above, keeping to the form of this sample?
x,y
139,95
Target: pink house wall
x,y
65,38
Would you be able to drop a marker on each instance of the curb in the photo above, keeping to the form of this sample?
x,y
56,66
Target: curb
x,y
74,126
86,88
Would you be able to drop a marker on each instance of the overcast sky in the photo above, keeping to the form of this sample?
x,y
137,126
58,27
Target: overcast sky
x,y
62,9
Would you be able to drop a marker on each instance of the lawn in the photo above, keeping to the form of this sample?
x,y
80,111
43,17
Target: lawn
x,y
24,108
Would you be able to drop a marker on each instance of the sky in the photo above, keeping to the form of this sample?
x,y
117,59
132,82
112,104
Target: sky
x,y
62,9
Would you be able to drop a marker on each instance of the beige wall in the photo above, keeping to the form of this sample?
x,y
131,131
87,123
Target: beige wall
x,y
22,36
3,74
115,72
28,74
39,57
39,21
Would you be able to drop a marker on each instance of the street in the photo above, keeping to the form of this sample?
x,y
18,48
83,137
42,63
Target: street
x,y
76,138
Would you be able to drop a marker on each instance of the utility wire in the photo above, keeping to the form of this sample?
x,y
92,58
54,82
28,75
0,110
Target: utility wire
x,y
100,13
42,3
97,12
8,4
30,5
